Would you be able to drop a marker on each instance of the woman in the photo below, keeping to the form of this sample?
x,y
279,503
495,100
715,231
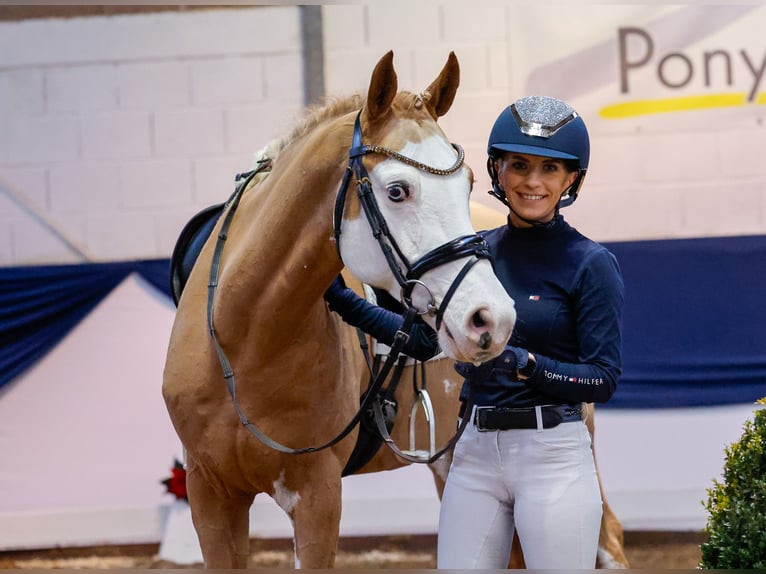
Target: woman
x,y
525,459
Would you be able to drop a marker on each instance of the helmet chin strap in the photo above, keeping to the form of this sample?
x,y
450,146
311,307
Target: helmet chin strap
x,y
498,193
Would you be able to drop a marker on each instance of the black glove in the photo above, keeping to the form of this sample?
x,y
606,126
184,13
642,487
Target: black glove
x,y
338,295
379,322
474,372
509,361
464,369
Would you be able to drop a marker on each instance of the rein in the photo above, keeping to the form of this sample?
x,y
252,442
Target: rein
x,y
470,245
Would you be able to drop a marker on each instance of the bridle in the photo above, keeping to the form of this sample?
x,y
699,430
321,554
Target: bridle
x,y
473,246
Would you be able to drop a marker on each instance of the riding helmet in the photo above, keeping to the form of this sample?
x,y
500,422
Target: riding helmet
x,y
544,126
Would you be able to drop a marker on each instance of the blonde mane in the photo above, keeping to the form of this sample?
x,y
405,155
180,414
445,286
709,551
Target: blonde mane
x,y
332,107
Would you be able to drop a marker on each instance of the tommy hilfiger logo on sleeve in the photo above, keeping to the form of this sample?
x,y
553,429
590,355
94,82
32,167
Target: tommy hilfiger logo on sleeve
x,y
582,380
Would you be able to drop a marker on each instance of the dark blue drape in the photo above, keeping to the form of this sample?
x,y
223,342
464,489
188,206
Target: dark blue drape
x,y
694,322
694,317
39,305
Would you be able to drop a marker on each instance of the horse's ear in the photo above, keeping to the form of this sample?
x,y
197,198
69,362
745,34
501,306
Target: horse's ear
x,y
443,89
383,87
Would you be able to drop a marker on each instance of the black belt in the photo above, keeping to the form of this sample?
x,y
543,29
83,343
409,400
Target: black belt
x,y
498,418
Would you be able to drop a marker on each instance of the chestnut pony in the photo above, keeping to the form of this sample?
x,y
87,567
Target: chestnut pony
x,y
261,380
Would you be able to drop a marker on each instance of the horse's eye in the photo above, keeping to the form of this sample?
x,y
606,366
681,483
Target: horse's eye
x,y
398,192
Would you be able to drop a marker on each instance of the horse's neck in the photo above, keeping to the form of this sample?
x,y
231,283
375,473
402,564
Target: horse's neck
x,y
282,256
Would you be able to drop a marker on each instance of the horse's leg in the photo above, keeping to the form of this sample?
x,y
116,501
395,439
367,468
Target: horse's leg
x,y
220,519
440,468
516,561
611,552
315,513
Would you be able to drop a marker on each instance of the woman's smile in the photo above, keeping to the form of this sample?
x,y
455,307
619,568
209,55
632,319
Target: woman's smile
x,y
533,186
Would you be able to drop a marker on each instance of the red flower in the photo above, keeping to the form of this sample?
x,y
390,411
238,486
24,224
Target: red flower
x,y
176,483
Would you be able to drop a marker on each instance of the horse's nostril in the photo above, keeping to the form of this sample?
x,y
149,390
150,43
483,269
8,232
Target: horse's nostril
x,y
485,340
478,319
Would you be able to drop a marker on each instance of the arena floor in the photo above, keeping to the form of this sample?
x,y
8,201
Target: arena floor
x,y
645,550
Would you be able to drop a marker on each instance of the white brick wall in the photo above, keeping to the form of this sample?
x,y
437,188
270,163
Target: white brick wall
x,y
84,188
170,81
81,89
115,130
156,184
177,132
22,91
115,136
36,139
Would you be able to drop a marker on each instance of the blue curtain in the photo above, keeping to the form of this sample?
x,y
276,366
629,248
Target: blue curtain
x,y
693,329
39,305
695,321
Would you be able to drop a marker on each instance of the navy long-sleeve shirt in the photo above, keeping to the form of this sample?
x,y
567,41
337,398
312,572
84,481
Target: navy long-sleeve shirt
x,y
381,321
569,295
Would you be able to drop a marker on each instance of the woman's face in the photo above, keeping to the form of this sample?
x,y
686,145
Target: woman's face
x,y
533,185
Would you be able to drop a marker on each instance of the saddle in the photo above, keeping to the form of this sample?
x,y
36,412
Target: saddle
x,y
369,441
198,229
189,245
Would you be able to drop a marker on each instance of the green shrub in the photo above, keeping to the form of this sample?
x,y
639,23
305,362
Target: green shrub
x,y
736,525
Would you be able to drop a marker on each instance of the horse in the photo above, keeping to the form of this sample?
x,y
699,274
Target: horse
x,y
428,425
261,381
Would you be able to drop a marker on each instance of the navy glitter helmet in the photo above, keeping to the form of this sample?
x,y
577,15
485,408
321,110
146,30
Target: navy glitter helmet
x,y
543,126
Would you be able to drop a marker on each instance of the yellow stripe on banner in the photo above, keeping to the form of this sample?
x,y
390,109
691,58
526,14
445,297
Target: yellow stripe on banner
x,y
683,104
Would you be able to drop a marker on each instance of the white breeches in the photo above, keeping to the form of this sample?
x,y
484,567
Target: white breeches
x,y
542,481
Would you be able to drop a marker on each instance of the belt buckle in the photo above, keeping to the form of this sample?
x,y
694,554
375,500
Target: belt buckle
x,y
574,410
476,421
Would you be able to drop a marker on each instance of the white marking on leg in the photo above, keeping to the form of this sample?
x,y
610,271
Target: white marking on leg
x,y
286,499
296,560
607,561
